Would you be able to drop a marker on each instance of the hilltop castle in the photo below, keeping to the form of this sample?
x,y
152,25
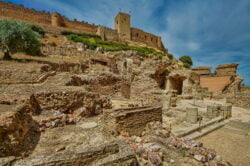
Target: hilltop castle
x,y
123,31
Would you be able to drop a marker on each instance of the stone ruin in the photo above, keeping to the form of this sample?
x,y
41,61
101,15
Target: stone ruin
x,y
224,80
130,120
110,108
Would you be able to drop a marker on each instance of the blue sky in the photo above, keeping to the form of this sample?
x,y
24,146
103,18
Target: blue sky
x,y
212,32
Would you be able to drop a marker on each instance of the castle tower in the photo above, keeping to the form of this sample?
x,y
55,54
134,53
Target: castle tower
x,y
122,25
57,20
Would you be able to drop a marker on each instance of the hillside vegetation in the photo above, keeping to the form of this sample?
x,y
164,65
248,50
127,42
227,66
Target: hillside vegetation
x,y
18,36
94,41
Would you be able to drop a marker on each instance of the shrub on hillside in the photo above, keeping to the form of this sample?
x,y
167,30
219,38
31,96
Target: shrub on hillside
x,y
18,36
94,41
187,61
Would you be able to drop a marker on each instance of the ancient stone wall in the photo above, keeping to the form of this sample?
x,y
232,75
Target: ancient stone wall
x,y
131,120
66,101
54,21
203,71
227,69
240,100
82,26
150,40
110,34
8,10
112,153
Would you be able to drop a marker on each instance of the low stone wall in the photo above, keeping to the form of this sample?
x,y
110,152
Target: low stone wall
x,y
113,153
240,100
131,120
65,67
66,101
214,111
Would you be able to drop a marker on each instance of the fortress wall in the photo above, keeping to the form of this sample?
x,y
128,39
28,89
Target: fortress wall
x,y
57,23
149,39
111,34
11,11
8,10
81,26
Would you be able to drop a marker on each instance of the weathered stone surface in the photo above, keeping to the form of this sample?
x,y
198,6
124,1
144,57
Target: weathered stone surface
x,y
107,154
16,129
227,69
203,70
131,120
66,101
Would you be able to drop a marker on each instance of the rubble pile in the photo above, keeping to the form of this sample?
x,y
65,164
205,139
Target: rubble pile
x,y
18,131
152,147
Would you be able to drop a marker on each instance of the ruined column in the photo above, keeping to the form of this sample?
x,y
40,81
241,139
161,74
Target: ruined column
x,y
192,115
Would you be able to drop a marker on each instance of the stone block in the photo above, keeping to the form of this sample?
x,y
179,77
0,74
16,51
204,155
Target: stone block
x,y
131,120
192,115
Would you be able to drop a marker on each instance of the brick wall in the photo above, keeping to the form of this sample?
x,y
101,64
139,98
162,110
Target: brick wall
x,y
215,84
131,120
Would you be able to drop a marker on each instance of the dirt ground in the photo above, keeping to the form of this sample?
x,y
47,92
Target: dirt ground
x,y
232,141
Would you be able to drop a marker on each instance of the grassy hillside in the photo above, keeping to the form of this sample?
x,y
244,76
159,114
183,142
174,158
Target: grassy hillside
x,y
94,41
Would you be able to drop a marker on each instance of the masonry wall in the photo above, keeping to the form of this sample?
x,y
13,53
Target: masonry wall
x,y
215,84
205,71
226,71
82,26
107,33
131,120
151,40
56,22
8,10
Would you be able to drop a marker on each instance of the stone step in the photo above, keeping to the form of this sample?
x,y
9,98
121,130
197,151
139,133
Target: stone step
x,y
205,131
186,131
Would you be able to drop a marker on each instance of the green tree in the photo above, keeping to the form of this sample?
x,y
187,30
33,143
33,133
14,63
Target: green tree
x,y
18,36
187,61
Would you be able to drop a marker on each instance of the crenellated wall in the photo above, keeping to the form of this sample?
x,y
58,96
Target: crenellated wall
x,y
8,10
121,33
82,26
